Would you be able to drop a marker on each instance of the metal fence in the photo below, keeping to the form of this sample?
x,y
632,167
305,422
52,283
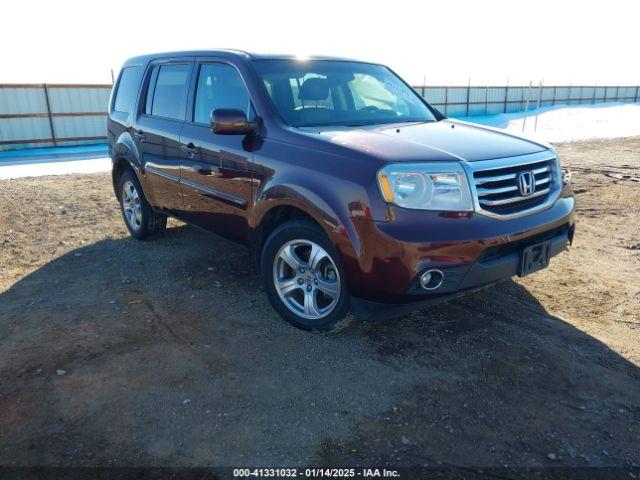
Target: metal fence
x,y
474,101
46,115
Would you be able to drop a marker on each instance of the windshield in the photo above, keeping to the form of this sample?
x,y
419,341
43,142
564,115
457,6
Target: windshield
x,y
309,93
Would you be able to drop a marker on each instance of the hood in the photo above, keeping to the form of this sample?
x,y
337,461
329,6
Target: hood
x,y
432,141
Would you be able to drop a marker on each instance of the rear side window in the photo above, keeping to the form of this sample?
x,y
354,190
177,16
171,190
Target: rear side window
x,y
127,89
219,86
168,87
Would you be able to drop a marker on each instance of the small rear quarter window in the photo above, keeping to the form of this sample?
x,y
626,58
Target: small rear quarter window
x,y
127,89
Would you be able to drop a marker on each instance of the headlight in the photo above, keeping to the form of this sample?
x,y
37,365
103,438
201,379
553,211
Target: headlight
x,y
558,170
426,186
564,173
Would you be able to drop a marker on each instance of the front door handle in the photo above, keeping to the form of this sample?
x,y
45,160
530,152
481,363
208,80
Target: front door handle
x,y
139,136
190,149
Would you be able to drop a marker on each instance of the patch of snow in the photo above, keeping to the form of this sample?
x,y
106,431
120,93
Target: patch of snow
x,y
55,168
565,123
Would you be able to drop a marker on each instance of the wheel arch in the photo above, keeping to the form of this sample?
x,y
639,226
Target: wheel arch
x,y
125,155
271,211
276,216
283,203
120,165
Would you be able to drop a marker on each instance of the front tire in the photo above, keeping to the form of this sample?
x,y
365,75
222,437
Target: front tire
x,y
139,217
303,278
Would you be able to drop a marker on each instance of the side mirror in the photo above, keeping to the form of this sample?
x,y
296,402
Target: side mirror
x,y
229,121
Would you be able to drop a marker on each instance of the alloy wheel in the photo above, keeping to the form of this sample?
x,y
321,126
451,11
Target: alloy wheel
x,y
306,279
131,205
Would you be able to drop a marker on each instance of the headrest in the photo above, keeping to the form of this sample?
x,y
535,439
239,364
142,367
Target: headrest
x,y
314,89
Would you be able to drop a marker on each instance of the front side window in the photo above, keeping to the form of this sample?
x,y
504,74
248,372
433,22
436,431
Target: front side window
x,y
219,86
169,91
310,93
127,89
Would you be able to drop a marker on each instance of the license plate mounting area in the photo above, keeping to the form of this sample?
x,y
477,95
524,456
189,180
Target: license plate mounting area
x,y
534,258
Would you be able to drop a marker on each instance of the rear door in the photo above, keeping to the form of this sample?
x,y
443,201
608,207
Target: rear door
x,y
157,131
216,169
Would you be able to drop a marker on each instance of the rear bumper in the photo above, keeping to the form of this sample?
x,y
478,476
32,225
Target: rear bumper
x,y
471,251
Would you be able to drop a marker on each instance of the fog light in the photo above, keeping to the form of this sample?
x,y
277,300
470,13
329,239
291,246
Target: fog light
x,y
431,279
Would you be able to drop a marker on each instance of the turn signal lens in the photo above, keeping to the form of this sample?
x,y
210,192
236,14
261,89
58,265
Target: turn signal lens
x,y
385,187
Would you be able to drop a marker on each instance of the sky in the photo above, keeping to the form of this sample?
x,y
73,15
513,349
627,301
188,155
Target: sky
x,y
431,42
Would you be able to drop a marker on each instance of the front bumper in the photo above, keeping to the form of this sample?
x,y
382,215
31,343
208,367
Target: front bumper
x,y
478,276
471,250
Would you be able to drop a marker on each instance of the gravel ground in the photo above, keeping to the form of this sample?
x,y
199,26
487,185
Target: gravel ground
x,y
166,353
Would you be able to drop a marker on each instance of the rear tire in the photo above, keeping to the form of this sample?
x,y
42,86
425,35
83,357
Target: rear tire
x,y
139,217
303,278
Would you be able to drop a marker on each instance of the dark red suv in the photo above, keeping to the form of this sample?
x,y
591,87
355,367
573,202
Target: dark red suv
x,y
351,189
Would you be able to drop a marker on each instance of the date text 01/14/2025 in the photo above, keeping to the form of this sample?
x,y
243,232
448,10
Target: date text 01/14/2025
x,y
315,473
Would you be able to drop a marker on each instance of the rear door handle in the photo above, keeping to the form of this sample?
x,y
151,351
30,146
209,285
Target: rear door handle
x,y
190,149
139,136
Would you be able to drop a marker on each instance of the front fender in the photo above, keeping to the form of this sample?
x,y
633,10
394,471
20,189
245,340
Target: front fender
x,y
341,233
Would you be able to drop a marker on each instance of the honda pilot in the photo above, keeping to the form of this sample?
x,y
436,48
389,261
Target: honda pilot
x,y
352,191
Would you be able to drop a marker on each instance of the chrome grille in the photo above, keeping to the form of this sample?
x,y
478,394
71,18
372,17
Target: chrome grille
x,y
497,188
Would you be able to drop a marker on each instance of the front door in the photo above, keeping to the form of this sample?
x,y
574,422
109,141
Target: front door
x,y
157,133
216,169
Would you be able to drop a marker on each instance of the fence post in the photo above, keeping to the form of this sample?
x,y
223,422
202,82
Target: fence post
x,y
555,91
526,108
468,93
595,89
535,124
506,96
446,99
617,91
46,97
486,100
635,99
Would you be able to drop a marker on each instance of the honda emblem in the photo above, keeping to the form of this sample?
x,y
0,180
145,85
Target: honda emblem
x,y
526,183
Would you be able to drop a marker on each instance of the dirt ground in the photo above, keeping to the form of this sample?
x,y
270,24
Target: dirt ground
x,y
166,353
